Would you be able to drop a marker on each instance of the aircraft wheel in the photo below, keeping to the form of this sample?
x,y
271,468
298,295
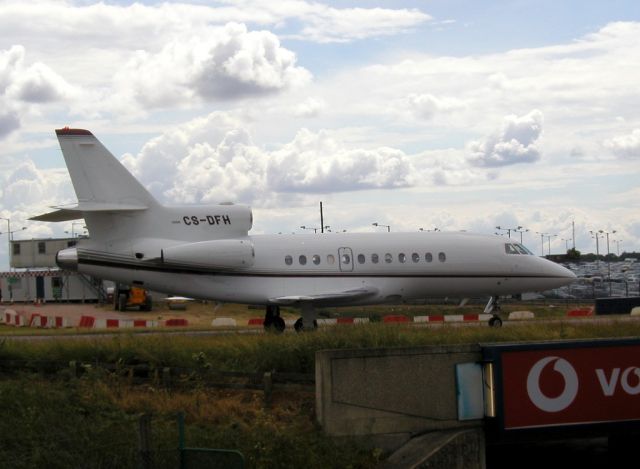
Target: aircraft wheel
x,y
268,322
278,324
122,302
495,322
299,325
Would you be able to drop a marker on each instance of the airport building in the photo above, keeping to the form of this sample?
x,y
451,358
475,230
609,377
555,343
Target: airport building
x,y
34,275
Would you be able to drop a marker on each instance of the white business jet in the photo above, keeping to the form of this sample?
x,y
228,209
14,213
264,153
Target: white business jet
x,y
206,252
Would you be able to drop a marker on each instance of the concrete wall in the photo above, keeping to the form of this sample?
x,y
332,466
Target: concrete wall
x,y
397,391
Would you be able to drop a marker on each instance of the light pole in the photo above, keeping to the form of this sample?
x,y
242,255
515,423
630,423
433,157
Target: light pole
x,y
380,224
8,241
509,230
542,235
608,257
549,240
9,238
617,241
595,233
566,243
607,233
521,230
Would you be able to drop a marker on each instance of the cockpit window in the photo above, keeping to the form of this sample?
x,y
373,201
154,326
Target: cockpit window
x,y
510,249
526,251
516,248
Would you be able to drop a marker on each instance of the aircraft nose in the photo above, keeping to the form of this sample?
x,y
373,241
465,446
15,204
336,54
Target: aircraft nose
x,y
563,273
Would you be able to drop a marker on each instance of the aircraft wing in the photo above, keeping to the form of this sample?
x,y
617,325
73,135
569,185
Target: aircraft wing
x,y
343,296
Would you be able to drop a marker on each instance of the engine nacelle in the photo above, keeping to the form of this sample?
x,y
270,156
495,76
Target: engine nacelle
x,y
67,259
214,254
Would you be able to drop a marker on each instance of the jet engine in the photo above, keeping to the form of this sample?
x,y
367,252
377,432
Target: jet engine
x,y
213,254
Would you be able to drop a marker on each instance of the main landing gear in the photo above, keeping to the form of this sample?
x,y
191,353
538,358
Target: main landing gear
x,y
274,322
493,307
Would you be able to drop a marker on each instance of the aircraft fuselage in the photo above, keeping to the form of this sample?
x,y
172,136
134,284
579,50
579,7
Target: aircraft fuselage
x,y
386,267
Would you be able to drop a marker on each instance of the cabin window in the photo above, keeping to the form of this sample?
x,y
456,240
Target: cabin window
x,y
415,257
402,258
442,257
388,258
374,258
331,259
361,259
428,257
302,259
288,260
346,259
316,259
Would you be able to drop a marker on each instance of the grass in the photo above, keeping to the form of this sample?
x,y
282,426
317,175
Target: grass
x,y
91,422
288,352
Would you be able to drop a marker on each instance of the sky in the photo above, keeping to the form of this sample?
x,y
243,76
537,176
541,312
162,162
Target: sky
x,y
456,115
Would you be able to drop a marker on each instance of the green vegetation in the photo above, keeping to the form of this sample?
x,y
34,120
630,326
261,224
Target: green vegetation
x,y
289,352
59,420
93,423
573,254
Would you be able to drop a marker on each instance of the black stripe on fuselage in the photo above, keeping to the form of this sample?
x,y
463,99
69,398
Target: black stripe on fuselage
x,y
179,270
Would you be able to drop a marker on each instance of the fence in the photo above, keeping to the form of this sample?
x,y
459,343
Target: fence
x,y
592,288
118,440
175,377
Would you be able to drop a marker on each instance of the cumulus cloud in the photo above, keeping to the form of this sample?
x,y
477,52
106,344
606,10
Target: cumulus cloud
x,y
122,25
426,106
214,159
35,83
29,188
328,24
514,143
315,162
22,85
9,118
223,64
311,107
625,146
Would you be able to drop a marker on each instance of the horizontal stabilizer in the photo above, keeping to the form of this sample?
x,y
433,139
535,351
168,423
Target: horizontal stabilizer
x,y
75,212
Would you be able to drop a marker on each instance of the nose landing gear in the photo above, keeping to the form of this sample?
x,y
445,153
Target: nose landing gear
x,y
493,307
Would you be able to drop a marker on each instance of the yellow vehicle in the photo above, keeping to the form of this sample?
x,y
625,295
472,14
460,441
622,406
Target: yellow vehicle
x,y
131,297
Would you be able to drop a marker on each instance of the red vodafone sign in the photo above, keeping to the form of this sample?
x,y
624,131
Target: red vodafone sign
x,y
569,383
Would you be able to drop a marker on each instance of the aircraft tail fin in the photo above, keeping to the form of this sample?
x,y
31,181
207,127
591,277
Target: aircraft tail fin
x,y
97,176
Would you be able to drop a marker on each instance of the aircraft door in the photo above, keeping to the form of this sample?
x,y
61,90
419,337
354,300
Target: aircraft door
x,y
40,288
345,256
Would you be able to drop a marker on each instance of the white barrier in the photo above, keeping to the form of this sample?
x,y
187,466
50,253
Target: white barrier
x,y
521,315
12,318
224,322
